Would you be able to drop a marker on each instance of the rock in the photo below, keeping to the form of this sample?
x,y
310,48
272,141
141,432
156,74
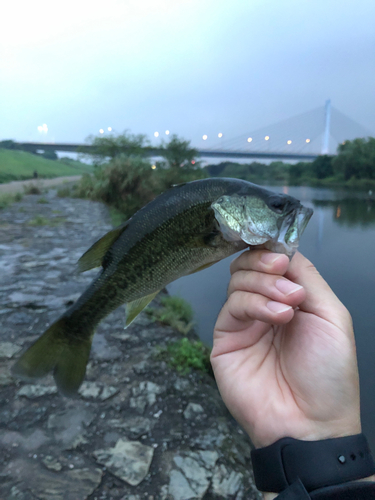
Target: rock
x,y
145,395
27,441
52,463
90,390
192,411
5,378
226,482
69,424
134,426
121,336
8,349
36,391
108,391
190,478
102,351
128,460
93,390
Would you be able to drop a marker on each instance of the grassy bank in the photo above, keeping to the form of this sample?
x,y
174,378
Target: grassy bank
x,y
20,165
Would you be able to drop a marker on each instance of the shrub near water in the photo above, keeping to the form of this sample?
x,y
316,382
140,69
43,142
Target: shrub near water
x,y
186,354
128,183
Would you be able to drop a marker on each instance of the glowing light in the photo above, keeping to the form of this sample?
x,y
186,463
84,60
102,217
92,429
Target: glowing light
x,y
153,167
167,132
193,162
289,142
101,131
249,139
267,138
156,134
109,129
338,212
204,137
42,128
307,140
220,134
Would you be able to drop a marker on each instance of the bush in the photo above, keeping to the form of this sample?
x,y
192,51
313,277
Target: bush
x,y
31,189
186,354
128,183
175,312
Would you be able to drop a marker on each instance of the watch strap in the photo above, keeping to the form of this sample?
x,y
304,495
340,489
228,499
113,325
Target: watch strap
x,y
316,463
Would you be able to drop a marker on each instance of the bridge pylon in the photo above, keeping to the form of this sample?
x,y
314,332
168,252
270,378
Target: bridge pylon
x,y
325,144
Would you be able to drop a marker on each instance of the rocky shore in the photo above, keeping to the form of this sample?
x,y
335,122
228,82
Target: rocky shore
x,y
138,430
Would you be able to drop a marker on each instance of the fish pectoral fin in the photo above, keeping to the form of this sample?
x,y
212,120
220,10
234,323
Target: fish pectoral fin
x,y
210,239
95,254
205,266
136,306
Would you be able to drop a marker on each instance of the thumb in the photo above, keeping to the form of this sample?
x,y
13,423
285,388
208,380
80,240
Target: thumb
x,y
320,299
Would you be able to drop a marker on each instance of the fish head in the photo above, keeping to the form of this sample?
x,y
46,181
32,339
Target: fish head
x,y
272,221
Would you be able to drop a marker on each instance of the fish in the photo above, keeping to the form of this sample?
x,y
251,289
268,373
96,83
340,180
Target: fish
x,y
182,231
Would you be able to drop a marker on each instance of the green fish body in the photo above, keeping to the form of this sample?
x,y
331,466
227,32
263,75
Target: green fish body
x,y
182,231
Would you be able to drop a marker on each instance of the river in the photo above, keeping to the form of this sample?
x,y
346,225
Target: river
x,y
340,241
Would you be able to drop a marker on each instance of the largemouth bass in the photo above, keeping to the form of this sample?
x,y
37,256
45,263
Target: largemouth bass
x,y
182,231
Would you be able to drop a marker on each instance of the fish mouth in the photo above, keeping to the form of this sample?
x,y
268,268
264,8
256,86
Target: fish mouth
x,y
291,230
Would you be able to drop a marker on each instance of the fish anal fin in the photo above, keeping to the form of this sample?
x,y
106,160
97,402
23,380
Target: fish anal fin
x,y
136,306
95,254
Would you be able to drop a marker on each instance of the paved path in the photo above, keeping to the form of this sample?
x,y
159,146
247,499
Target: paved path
x,y
17,186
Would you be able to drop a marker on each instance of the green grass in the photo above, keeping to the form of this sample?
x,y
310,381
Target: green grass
x,y
186,354
19,165
175,312
39,220
42,200
8,199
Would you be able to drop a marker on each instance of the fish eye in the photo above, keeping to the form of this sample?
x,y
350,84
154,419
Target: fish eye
x,y
220,200
277,204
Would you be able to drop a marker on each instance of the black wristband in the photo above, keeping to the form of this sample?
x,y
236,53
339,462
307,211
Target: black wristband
x,y
315,463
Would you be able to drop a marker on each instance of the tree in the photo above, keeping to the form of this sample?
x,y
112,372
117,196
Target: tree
x,y
104,148
178,153
322,167
356,159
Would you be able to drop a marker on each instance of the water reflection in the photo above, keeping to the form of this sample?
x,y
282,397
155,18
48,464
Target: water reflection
x,y
350,212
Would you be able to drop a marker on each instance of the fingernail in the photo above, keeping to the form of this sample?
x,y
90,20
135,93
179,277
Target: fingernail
x,y
269,258
277,307
287,287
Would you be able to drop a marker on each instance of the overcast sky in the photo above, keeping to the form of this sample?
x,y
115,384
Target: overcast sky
x,y
193,67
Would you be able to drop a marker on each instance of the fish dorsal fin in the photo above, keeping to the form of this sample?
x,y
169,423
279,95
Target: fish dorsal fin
x,y
136,306
95,254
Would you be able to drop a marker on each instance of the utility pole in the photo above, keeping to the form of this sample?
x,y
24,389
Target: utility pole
x,y
325,145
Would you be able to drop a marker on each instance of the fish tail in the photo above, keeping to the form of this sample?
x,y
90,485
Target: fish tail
x,y
59,351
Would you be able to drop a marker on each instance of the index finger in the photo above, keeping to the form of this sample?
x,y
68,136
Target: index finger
x,y
262,261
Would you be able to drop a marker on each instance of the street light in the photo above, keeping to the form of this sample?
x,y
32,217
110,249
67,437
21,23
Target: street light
x,y
156,134
220,135
307,140
109,129
249,139
101,131
167,132
204,137
289,142
267,138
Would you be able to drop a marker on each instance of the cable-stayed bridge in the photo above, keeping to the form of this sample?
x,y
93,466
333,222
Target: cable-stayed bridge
x,y
302,137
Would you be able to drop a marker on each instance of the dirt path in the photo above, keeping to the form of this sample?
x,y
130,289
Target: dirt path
x,y
17,186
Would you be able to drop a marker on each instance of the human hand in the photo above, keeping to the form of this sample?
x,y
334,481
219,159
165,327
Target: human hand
x,y
284,353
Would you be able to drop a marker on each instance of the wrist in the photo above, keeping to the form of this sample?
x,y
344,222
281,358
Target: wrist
x,y
316,464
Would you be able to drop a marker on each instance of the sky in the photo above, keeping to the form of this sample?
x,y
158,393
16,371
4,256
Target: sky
x,y
193,67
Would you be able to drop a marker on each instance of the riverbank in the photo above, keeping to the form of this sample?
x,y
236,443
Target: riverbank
x,y
139,430
18,186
